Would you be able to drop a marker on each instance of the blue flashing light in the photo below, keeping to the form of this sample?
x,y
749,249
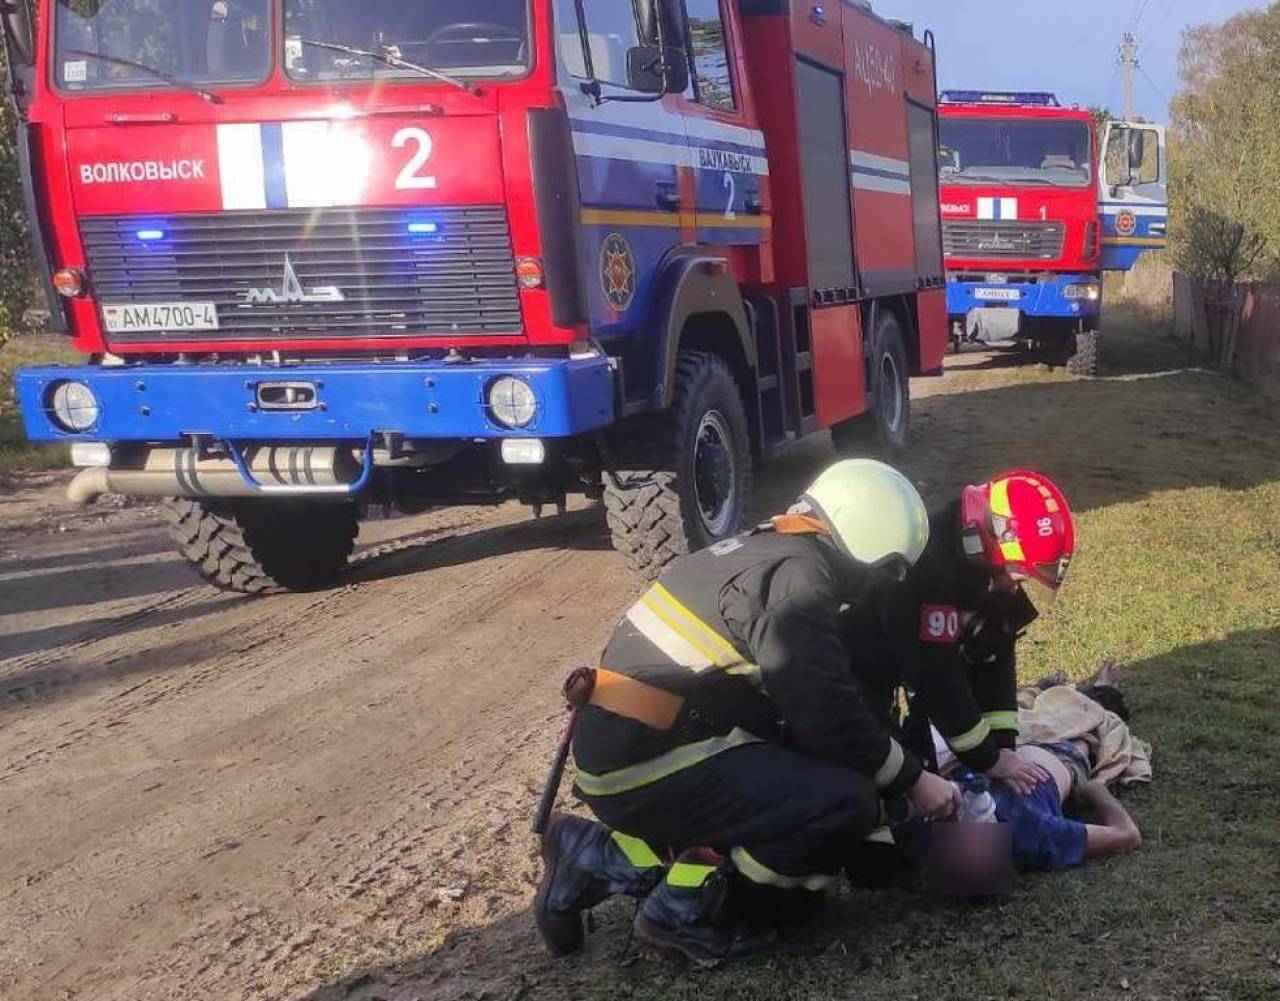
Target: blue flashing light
x,y
147,235
818,15
1022,99
423,228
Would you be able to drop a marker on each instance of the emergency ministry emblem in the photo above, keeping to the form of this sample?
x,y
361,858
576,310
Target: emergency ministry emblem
x,y
1126,223
617,272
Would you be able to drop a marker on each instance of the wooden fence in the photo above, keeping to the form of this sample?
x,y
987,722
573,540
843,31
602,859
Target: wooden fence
x,y
1238,328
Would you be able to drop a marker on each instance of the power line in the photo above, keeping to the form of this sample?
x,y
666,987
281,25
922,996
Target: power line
x,y
1161,24
1139,9
1159,93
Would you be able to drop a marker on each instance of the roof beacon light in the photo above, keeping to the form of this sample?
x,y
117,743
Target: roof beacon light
x,y
1019,99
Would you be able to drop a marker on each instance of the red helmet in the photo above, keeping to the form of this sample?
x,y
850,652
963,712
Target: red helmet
x,y
1019,522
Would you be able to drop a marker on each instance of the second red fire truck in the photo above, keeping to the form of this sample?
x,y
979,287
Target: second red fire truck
x,y
1036,205
323,253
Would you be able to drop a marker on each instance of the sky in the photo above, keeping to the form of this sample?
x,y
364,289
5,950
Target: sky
x,y
1071,48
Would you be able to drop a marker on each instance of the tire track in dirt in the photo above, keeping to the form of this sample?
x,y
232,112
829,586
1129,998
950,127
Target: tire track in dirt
x,y
259,820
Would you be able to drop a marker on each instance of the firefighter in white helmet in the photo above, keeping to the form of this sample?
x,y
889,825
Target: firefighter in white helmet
x,y
724,726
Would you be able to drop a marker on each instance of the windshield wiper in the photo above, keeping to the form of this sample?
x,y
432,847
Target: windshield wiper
x,y
159,74
391,58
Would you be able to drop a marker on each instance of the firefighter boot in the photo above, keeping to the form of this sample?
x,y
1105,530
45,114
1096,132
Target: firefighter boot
x,y
693,912
585,862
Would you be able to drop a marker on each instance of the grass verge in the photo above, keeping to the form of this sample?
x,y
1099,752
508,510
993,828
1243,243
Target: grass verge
x,y
16,453
1177,480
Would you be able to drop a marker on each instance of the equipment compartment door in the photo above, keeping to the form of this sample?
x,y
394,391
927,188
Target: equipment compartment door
x,y
1133,193
824,162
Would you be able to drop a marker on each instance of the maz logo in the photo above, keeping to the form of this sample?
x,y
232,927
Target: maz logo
x,y
292,291
877,69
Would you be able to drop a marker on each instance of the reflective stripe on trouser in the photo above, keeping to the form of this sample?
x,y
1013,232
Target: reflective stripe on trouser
x,y
637,850
782,817
756,871
1004,720
971,738
647,772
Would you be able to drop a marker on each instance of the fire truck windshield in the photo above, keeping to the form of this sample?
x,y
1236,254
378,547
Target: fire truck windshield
x,y
1015,151
111,44
481,38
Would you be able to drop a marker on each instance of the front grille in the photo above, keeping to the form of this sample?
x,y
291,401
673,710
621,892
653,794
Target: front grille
x,y
456,279
989,239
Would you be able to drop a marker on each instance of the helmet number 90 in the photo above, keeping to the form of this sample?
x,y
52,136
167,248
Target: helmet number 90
x,y
939,624
1044,526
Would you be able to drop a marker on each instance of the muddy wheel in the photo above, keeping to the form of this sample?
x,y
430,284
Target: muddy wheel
x,y
1085,359
680,480
883,428
263,547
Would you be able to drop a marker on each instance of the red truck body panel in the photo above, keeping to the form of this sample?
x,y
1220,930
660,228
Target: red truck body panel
x,y
1076,208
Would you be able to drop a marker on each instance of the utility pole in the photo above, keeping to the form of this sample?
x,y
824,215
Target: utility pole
x,y
1128,63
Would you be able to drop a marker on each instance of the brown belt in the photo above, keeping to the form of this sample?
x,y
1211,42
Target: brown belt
x,y
624,696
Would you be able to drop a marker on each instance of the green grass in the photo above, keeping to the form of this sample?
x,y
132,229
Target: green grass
x,y
16,453
1178,484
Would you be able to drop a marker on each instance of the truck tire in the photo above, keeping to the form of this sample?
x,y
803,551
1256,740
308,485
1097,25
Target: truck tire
x,y
264,547
883,428
680,480
1085,359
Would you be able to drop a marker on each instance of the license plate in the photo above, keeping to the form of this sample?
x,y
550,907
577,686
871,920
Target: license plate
x,y
997,294
140,316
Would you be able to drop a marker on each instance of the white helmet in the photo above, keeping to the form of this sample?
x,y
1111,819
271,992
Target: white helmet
x,y
873,512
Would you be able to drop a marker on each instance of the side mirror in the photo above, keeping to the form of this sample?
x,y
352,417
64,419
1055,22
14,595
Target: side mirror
x,y
18,32
655,70
1137,150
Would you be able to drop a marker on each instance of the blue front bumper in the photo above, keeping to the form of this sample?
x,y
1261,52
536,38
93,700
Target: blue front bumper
x,y
1030,298
437,399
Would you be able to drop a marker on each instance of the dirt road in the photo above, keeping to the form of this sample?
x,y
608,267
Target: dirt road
x,y
327,795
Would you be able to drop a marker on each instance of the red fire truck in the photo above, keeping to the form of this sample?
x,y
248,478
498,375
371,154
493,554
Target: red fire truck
x,y
327,253
1032,216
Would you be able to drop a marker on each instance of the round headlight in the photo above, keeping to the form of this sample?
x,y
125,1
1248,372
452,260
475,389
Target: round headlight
x,y
73,405
512,402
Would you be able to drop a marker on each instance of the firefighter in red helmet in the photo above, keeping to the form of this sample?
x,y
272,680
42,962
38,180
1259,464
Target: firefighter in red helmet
x,y
948,631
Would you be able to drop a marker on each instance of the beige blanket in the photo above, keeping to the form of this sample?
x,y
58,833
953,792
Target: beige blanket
x,y
1062,713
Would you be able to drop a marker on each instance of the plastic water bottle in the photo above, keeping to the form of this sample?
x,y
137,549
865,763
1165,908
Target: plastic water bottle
x,y
976,804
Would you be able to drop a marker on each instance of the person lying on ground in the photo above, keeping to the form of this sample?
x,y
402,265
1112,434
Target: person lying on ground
x,y
1037,831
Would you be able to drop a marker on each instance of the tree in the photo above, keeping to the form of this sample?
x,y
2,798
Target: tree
x,y
15,254
1225,199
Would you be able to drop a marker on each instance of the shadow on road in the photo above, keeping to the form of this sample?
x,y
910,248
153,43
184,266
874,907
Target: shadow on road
x,y
582,530
88,630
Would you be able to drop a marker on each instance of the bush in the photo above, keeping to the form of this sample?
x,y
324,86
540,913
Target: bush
x,y
15,253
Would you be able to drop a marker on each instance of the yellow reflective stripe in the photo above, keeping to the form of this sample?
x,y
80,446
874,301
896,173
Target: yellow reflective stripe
x,y
677,626
1000,499
690,875
1005,720
729,654
647,772
750,671
970,739
1013,551
892,765
762,875
672,644
637,851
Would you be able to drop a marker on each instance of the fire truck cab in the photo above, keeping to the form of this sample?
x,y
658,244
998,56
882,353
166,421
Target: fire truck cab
x,y
325,253
1032,216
